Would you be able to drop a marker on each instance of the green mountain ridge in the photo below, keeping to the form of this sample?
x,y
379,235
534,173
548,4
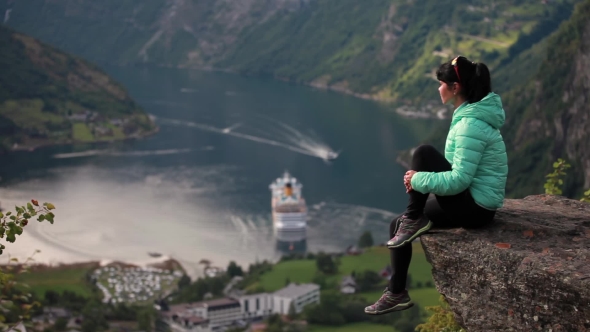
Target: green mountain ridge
x,y
384,49
49,97
551,112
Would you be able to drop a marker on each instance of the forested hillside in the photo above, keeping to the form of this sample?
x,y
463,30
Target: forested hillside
x,y
47,96
385,49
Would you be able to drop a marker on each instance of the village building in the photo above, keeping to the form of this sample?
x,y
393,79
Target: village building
x,y
256,306
205,315
348,285
212,315
299,295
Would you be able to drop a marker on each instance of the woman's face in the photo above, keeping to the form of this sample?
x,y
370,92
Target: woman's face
x,y
446,92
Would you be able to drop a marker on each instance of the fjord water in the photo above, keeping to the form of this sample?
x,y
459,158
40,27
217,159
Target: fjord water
x,y
199,187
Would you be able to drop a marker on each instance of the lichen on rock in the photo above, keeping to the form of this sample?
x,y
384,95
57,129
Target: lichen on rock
x,y
529,271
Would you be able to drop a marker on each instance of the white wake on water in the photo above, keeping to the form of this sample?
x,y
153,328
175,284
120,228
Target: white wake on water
x,y
296,141
310,142
137,153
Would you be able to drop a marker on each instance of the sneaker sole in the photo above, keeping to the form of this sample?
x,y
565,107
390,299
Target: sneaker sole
x,y
411,238
399,307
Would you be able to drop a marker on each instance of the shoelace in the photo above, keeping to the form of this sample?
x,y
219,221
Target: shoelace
x,y
407,226
390,298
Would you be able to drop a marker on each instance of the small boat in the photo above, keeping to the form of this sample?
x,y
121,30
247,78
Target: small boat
x,y
331,155
154,254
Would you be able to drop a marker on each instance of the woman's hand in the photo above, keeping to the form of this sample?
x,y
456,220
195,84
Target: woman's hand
x,y
408,180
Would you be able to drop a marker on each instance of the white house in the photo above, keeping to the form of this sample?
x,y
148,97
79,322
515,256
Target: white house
x,y
348,285
206,314
256,305
298,294
214,314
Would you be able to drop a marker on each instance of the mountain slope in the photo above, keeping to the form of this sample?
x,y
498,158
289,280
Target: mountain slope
x,y
546,95
551,113
382,49
47,96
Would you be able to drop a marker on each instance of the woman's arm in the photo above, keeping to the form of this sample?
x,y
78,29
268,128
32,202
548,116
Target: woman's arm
x,y
470,142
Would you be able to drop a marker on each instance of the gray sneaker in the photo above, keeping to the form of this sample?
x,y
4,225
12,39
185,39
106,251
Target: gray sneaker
x,y
409,230
390,302
398,222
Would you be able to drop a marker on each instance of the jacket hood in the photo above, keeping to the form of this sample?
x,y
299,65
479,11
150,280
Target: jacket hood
x,y
489,110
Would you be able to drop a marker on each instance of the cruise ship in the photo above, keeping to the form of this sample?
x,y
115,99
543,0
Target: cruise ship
x,y
289,212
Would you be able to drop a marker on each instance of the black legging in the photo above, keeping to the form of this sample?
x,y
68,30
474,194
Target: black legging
x,y
444,211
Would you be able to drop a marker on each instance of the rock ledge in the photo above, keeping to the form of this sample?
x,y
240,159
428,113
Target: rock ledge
x,y
529,271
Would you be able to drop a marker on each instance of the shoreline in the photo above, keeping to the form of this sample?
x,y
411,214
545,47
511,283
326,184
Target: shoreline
x,y
438,115
49,143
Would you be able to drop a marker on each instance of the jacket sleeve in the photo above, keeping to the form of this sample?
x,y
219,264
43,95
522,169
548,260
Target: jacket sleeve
x,y
470,142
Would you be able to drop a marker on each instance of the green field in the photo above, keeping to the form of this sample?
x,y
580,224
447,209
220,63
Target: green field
x,y
57,279
82,133
374,259
358,327
117,132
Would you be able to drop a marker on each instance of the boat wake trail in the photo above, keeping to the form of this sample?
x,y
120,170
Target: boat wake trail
x,y
308,142
296,141
110,153
228,131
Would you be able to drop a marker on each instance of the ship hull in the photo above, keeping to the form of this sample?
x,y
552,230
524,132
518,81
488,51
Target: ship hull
x,y
289,211
290,227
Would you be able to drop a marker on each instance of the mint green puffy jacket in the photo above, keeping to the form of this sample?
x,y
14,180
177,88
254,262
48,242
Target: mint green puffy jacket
x,y
475,149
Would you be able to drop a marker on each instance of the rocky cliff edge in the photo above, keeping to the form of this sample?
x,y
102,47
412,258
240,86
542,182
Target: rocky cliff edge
x,y
529,271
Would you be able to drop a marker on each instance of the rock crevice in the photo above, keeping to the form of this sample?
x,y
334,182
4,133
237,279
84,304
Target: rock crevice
x,y
529,271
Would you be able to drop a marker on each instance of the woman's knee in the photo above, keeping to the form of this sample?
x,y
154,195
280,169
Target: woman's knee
x,y
423,150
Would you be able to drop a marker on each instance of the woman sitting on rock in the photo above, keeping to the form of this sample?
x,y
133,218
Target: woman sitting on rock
x,y
468,182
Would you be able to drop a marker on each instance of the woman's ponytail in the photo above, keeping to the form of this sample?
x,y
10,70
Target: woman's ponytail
x,y
479,84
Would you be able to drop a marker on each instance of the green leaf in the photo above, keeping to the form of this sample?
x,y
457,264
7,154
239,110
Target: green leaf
x,y
26,215
8,213
10,237
13,217
30,207
41,217
49,217
49,206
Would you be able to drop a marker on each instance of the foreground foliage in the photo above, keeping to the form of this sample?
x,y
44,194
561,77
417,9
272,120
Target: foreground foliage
x,y
16,305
